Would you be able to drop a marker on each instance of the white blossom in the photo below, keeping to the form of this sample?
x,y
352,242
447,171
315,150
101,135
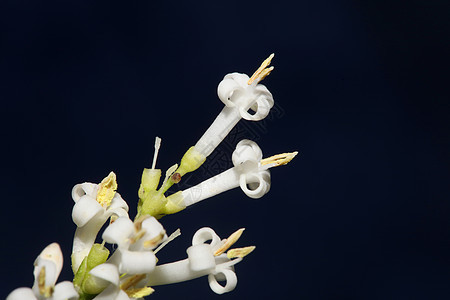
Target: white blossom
x,y
89,216
47,268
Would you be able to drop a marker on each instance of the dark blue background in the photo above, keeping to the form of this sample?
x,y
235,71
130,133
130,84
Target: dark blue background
x,y
360,89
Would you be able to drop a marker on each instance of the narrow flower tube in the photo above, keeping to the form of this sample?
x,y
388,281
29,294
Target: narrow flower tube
x,y
247,173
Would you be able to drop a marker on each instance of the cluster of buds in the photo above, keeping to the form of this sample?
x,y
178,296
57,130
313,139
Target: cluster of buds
x,y
132,270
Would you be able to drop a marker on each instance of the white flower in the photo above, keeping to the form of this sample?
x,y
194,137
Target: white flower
x,y
107,276
250,172
46,271
94,204
135,244
238,97
240,94
116,287
204,260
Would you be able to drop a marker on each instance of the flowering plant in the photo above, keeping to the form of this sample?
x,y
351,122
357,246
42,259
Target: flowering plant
x,y
132,270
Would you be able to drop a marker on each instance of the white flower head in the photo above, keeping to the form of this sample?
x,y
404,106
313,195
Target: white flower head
x,y
250,173
94,205
135,242
205,259
240,94
47,268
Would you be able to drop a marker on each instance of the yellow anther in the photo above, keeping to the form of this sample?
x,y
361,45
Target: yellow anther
x,y
107,189
240,252
262,71
229,242
279,159
138,222
44,290
132,281
154,241
129,284
140,292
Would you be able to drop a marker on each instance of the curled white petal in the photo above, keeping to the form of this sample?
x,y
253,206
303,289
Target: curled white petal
x,y
119,231
82,189
65,291
246,150
231,87
106,274
206,234
152,227
230,278
201,257
22,293
255,185
137,262
261,105
85,209
112,292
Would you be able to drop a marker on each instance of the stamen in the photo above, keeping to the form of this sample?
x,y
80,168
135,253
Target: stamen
x,y
262,71
132,281
169,173
173,236
45,291
138,222
107,190
154,241
279,159
229,242
240,252
155,154
139,292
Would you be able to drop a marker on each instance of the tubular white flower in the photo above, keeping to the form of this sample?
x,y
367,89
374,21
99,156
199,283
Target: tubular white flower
x,y
201,261
135,243
89,216
239,97
247,173
47,268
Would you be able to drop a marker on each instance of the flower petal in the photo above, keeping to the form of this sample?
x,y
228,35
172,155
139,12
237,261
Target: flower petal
x,y
112,292
137,262
65,291
255,185
119,231
51,255
231,281
106,274
231,85
22,293
82,189
85,209
261,108
246,150
205,234
201,257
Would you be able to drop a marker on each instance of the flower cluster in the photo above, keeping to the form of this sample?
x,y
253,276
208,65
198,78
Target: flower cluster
x,y
132,270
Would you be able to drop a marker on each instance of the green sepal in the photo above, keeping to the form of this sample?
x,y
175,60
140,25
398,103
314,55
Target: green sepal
x,y
83,280
191,161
